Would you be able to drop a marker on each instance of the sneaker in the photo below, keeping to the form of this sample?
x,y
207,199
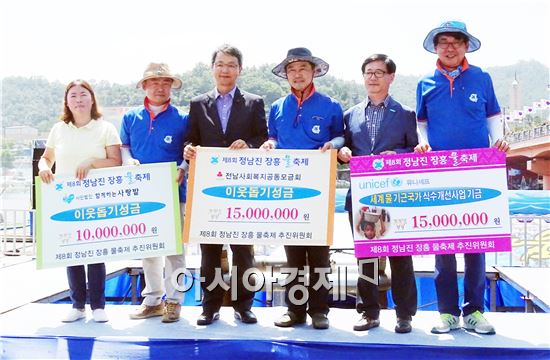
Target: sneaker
x,y
146,311
100,315
477,322
73,315
171,312
448,322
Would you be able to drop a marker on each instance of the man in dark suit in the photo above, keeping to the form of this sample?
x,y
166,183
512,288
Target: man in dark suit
x,y
381,125
226,117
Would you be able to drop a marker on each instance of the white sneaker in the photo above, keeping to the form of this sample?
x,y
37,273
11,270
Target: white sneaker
x,y
73,315
476,322
100,315
447,322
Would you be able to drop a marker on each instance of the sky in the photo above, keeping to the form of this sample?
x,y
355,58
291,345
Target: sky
x,y
114,40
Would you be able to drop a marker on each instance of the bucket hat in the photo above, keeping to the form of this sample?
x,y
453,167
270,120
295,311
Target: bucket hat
x,y
159,70
451,26
301,54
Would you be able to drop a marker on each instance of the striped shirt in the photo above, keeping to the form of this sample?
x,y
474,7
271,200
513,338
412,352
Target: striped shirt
x,y
373,117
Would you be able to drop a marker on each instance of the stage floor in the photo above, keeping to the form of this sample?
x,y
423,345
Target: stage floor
x,y
35,331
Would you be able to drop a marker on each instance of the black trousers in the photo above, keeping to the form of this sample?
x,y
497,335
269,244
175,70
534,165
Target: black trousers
x,y
403,287
317,258
243,259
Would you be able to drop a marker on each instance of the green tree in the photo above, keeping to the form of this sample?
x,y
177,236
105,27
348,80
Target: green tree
x,y
7,159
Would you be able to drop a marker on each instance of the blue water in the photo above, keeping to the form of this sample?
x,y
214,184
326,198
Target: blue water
x,y
529,202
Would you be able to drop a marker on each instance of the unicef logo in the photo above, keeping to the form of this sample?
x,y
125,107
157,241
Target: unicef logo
x,y
396,182
378,164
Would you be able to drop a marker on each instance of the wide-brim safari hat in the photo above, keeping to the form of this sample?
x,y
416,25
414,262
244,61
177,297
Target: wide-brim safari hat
x,y
451,26
301,54
159,70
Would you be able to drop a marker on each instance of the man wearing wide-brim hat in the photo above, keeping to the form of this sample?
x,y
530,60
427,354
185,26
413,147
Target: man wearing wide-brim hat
x,y
457,109
305,119
152,133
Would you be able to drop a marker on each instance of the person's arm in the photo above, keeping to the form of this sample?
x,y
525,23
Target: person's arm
x,y
126,156
421,120
193,136
345,154
336,129
423,141
113,158
496,133
45,165
272,142
409,132
259,125
126,153
382,227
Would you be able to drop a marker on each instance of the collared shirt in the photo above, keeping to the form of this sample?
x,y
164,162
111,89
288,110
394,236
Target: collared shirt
x,y
224,104
72,144
320,119
456,110
154,110
373,117
161,143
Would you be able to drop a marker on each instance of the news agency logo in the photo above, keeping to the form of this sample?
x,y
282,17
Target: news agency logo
x,y
255,280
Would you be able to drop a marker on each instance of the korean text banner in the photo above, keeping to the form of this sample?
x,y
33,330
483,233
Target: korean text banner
x,y
276,197
440,202
115,213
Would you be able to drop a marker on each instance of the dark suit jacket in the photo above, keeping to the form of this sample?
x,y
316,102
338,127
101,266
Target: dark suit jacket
x,y
397,132
246,121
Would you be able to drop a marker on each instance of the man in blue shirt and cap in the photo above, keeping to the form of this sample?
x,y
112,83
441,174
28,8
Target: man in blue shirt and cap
x,y
456,108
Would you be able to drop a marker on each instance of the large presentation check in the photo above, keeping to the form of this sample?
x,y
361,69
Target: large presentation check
x,y
261,197
440,202
115,213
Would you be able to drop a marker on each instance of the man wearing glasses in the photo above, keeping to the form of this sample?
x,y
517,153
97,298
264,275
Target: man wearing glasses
x,y
457,109
231,118
380,125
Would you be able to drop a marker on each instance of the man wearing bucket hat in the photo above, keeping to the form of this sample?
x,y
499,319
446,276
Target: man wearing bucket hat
x,y
457,109
231,118
305,119
380,125
152,133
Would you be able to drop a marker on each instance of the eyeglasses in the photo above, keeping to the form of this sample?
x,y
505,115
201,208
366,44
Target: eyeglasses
x,y
445,45
377,74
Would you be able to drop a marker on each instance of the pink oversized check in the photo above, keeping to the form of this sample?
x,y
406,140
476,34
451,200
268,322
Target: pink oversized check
x,y
441,202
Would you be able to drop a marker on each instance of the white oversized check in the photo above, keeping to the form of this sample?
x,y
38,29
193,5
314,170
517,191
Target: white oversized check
x,y
115,213
261,197
440,202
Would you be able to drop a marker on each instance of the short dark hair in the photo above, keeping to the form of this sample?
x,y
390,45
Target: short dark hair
x,y
390,65
228,50
67,115
456,35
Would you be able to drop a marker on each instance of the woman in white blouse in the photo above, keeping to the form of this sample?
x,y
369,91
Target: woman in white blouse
x,y
78,143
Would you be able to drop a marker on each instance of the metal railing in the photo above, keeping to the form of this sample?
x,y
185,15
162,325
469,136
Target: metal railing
x,y
530,242
530,238
17,232
530,134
